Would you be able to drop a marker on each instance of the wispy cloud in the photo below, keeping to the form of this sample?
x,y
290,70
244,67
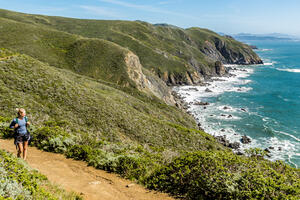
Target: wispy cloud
x,y
51,9
102,11
146,8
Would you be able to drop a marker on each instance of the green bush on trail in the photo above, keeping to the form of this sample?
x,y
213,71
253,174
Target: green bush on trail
x,y
224,175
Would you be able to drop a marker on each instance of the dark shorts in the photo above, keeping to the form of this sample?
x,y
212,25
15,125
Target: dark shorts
x,y
22,138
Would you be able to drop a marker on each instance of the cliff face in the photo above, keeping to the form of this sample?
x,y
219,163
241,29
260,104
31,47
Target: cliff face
x,y
148,83
220,50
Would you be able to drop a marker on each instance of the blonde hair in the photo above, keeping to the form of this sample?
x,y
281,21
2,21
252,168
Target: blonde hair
x,y
20,110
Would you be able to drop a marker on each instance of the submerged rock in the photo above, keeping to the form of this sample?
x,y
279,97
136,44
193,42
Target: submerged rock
x,y
192,89
267,150
245,140
208,90
199,103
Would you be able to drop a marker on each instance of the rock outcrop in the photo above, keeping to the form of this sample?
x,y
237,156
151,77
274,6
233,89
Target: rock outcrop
x,y
241,54
147,83
220,69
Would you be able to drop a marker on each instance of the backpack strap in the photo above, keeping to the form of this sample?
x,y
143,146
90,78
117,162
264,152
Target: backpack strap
x,y
17,119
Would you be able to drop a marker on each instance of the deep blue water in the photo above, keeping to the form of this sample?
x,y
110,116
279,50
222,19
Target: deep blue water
x,y
270,95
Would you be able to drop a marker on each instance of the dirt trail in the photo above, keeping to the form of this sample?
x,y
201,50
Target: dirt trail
x,y
77,176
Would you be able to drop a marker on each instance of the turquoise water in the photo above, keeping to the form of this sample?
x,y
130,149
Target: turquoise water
x,y
263,103
274,98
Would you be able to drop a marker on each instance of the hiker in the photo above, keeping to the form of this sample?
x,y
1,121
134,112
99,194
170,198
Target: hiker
x,y
22,135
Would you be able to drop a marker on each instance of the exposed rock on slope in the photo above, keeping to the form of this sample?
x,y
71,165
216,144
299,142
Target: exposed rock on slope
x,y
220,69
147,83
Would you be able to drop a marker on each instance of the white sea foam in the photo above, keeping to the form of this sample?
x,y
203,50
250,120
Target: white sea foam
x,y
267,64
217,87
210,116
287,134
290,70
263,49
281,148
226,108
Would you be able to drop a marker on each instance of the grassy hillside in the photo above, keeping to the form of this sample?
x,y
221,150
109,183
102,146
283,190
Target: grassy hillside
x,y
176,55
19,181
92,57
90,106
86,119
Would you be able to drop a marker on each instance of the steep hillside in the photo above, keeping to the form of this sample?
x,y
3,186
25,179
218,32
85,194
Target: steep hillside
x,y
90,106
88,120
176,55
96,58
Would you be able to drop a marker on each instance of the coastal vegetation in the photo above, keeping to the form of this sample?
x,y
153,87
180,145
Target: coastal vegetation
x,y
73,77
19,181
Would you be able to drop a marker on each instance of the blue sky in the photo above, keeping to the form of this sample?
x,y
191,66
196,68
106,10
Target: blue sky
x,y
228,16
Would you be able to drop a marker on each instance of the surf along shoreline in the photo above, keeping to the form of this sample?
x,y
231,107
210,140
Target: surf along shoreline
x,y
193,100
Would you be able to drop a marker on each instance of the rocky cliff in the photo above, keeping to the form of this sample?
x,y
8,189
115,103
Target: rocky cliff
x,y
147,82
221,51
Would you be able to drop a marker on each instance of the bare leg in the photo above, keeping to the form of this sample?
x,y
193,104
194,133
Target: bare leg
x,y
25,147
20,148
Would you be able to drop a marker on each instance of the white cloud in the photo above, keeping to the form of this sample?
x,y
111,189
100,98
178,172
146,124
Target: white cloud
x,y
146,8
102,11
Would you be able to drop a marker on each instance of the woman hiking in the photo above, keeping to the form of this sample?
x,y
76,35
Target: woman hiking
x,y
21,135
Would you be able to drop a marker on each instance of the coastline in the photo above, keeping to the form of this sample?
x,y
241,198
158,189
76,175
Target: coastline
x,y
185,99
228,122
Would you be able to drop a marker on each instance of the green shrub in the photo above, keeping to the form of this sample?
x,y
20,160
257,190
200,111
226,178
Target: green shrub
x,y
223,175
256,152
79,152
4,119
6,132
53,139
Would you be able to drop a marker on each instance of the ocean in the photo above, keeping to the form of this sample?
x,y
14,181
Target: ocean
x,y
260,101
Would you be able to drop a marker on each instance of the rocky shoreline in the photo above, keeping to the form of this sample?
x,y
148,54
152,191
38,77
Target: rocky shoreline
x,y
182,104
